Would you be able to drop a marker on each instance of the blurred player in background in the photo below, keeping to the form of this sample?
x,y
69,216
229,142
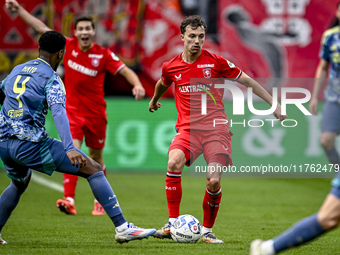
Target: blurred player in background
x,y
28,92
328,216
85,64
189,142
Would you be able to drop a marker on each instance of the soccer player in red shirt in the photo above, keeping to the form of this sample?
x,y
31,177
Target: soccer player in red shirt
x,y
85,65
195,132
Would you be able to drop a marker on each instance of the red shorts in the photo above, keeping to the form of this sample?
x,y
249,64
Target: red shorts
x,y
210,143
94,129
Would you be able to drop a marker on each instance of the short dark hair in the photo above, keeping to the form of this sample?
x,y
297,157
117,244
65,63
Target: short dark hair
x,y
194,21
52,41
84,17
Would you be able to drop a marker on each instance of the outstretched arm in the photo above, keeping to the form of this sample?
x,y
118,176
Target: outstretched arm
x,y
261,92
138,90
61,122
29,19
320,77
160,89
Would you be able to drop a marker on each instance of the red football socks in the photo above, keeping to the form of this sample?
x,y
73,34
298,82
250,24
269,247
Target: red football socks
x,y
70,183
173,190
211,204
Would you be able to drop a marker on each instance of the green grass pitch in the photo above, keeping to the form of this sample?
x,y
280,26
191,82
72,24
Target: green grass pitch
x,y
251,208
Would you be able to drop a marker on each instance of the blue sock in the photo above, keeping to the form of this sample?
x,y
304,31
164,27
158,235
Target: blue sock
x,y
333,156
103,192
302,232
8,201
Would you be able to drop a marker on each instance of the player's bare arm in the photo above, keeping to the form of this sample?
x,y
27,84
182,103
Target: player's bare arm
x,y
138,90
320,77
261,92
29,19
160,89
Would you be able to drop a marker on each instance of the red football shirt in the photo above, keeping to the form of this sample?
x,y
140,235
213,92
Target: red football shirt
x,y
84,77
193,80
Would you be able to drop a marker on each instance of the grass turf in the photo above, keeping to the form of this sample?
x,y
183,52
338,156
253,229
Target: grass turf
x,y
251,208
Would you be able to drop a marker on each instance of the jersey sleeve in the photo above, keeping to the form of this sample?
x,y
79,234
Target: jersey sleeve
x,y
324,51
227,69
55,91
113,63
165,76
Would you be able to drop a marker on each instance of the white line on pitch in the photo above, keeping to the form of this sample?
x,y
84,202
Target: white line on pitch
x,y
45,182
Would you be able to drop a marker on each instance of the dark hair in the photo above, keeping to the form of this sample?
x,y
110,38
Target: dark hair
x,y
194,21
84,17
335,21
52,41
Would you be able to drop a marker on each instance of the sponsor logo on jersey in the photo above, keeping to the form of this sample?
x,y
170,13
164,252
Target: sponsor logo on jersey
x,y
225,148
96,56
179,77
114,56
95,62
74,53
15,113
101,140
207,72
206,65
81,69
194,88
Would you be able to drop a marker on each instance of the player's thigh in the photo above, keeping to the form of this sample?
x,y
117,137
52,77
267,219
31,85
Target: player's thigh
x,y
189,144
95,132
44,156
331,117
91,167
16,171
217,146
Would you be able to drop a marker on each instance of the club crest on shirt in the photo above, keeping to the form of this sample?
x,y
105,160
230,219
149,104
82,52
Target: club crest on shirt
x,y
207,72
95,62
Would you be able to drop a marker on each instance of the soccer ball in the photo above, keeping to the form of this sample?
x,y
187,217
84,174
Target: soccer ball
x,y
186,229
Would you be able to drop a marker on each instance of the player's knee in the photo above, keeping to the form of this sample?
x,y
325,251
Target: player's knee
x,y
175,165
213,184
326,143
97,167
91,168
329,222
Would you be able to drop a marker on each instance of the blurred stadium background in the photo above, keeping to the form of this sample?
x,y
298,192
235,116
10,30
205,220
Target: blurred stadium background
x,y
274,41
